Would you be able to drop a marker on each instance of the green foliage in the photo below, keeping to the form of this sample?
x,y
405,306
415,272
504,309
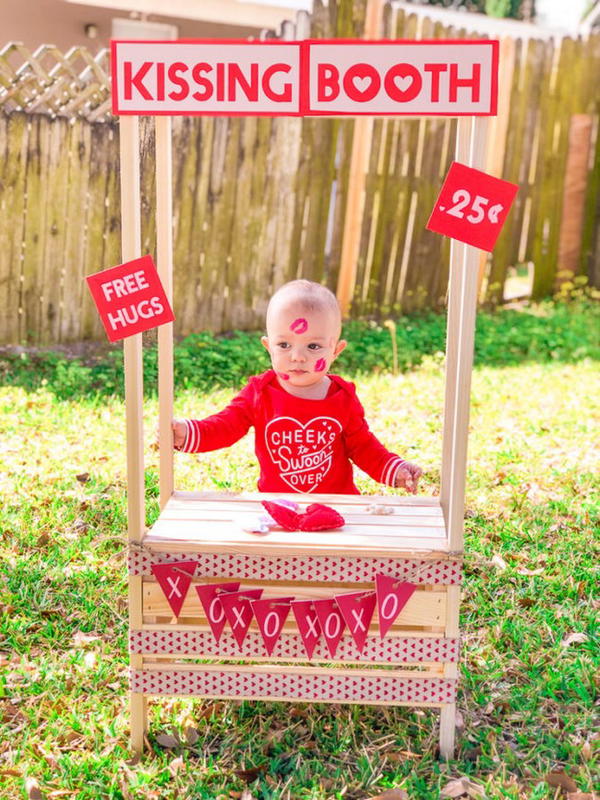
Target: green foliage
x,y
567,330
529,654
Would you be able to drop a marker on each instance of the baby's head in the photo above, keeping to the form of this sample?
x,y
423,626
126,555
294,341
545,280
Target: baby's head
x,y
304,324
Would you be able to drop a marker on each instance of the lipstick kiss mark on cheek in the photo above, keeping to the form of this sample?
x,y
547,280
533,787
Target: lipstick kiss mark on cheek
x,y
299,325
283,376
320,365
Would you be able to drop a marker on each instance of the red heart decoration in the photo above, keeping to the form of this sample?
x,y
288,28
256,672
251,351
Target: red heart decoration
x,y
318,517
288,519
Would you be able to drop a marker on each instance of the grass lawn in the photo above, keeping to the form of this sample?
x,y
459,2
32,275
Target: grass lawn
x,y
530,655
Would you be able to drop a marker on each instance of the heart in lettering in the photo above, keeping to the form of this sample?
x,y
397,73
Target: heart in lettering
x,y
403,84
302,453
362,85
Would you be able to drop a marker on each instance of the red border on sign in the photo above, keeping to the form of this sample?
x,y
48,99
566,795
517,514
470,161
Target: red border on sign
x,y
115,93
494,43
304,60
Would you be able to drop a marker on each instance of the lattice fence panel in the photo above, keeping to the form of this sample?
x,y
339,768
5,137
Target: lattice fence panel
x,y
71,84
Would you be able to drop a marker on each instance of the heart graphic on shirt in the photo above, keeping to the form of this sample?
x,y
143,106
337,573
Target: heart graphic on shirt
x,y
302,453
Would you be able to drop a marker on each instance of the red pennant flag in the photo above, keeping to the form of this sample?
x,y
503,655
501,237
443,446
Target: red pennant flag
x,y
174,580
392,595
357,609
271,615
331,622
210,597
308,624
238,611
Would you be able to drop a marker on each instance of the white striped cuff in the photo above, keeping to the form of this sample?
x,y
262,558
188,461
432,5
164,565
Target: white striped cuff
x,y
192,437
391,470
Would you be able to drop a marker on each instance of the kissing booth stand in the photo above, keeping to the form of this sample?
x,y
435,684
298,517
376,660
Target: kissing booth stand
x,y
400,644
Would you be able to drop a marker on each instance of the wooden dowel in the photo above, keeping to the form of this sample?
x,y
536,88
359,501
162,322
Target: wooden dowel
x,y
132,346
164,257
134,399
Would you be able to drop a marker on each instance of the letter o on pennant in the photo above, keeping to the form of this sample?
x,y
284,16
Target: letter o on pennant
x,y
273,618
215,603
329,633
394,600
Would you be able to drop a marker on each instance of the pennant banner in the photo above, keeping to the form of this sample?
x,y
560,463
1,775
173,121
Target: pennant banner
x,y
271,616
308,624
331,622
392,596
210,597
174,580
238,611
357,609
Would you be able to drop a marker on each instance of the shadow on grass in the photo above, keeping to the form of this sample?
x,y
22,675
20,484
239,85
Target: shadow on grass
x,y
553,331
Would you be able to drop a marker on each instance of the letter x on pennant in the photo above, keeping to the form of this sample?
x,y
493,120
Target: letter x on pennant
x,y
174,580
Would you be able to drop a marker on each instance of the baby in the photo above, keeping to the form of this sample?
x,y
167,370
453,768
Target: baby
x,y
309,425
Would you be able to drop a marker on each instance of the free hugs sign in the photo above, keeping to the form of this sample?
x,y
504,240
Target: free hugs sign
x,y
308,78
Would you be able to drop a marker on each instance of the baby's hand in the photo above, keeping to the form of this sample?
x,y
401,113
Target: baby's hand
x,y
408,476
179,429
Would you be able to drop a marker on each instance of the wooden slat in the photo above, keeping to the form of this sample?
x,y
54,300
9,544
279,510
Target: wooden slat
x,y
399,512
78,145
428,652
378,686
329,499
14,145
227,527
372,522
423,608
52,266
37,183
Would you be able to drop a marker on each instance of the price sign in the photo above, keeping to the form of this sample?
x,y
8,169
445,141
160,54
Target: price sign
x,y
130,298
472,206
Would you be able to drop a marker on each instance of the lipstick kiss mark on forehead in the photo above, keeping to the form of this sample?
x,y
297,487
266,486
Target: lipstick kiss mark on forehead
x,y
320,365
299,325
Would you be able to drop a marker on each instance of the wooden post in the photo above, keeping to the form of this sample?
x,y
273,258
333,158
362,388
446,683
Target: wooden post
x,y
164,258
134,397
498,131
359,163
462,308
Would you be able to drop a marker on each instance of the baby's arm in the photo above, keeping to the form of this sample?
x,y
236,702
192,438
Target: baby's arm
x,y
407,477
367,452
218,430
179,429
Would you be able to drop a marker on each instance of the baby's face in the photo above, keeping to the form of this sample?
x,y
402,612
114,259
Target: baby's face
x,y
302,344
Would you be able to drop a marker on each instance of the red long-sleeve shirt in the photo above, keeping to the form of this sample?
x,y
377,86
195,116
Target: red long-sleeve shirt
x,y
303,445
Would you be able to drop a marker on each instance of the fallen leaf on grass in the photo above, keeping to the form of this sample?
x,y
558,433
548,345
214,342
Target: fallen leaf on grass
x,y
167,740
461,787
9,771
191,735
83,477
498,561
247,795
176,766
559,778
392,794
81,639
251,774
32,788
574,638
582,796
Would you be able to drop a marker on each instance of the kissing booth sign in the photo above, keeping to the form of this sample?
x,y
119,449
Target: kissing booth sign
x,y
380,594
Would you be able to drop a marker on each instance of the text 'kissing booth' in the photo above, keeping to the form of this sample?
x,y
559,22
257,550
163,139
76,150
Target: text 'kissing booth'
x,y
421,543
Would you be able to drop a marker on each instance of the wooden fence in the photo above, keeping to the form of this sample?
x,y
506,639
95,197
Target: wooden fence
x,y
259,201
